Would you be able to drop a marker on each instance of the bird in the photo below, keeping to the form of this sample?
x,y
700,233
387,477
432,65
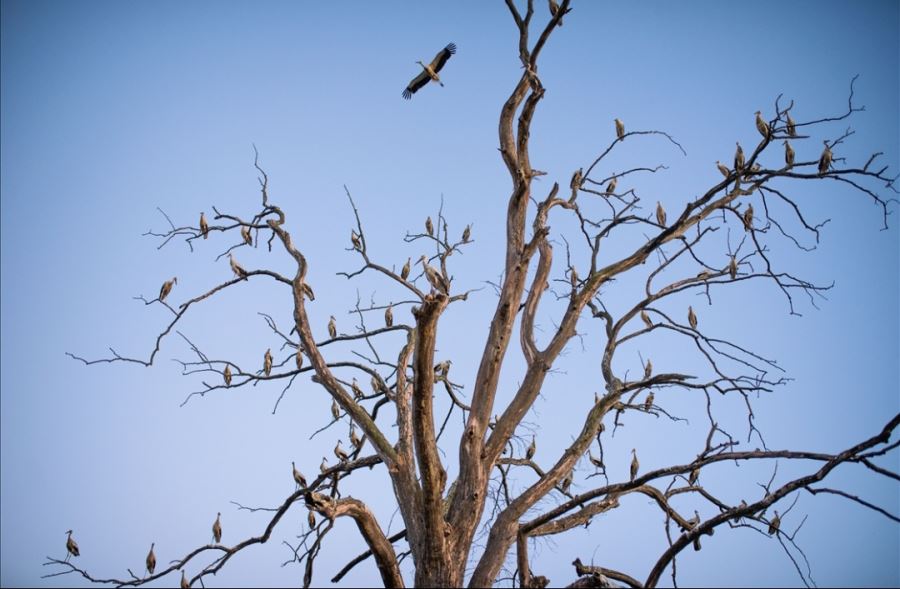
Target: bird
x,y
635,464
434,278
529,453
732,267
227,375
566,482
236,268
323,466
308,291
354,238
184,581
723,168
467,233
355,440
443,368
332,327
357,392
748,218
660,214
335,410
646,319
648,369
298,476
575,182
788,154
404,273
695,474
825,159
430,71
71,546
694,521
648,402
595,461
267,362
204,228
791,126
738,157
375,386
620,129
151,559
774,524
389,316
245,233
573,278
339,452
737,518
692,317
429,226
611,187
167,288
217,529
298,358
554,8
311,520
761,125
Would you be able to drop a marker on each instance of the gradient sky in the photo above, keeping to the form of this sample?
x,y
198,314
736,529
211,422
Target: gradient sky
x,y
112,109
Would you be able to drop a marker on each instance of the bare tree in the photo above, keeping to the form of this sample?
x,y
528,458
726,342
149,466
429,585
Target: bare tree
x,y
469,529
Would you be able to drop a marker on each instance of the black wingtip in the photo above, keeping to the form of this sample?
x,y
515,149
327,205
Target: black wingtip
x,y
407,94
451,48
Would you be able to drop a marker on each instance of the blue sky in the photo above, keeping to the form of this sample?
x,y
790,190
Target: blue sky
x,y
110,110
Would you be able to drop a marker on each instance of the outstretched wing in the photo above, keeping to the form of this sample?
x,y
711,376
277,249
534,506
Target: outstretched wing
x,y
416,83
441,58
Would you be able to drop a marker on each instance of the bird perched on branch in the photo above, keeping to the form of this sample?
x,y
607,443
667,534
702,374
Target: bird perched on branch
x,y
227,375
738,158
761,125
791,126
389,316
635,464
595,461
298,358
788,154
323,466
71,546
692,317
354,238
184,582
335,410
267,362
467,233
648,369
660,214
611,187
646,319
566,482
204,227
723,168
217,529
332,327
648,402
404,273
620,129
151,559
311,520
430,71
167,288
732,267
554,8
748,218
357,392
529,453
775,524
436,280
355,440
245,233
298,476
429,226
308,291
339,452
443,368
236,268
825,159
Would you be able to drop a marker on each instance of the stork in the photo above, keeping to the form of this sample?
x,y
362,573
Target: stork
x,y
227,375
529,453
151,559
167,288
692,318
646,319
723,168
308,291
775,524
335,410
595,461
323,466
430,71
761,125
245,233
611,187
217,529
554,8
566,482
354,238
748,218
738,157
355,440
311,520
298,476
648,402
575,182
620,129
443,368
825,159
184,582
467,233
339,452
357,392
732,267
791,126
660,214
573,278
434,277
298,358
204,227
236,268
71,547
389,316
788,154
635,464
332,327
267,361
648,369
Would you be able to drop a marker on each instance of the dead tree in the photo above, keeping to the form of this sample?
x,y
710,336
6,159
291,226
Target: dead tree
x,y
444,518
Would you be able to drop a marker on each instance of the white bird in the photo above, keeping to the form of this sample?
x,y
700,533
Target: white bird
x,y
404,273
723,168
204,227
71,546
443,368
620,129
298,358
357,392
184,582
227,375
646,319
332,327
434,277
761,125
635,465
389,316
429,226
738,157
648,402
323,466
245,233
791,126
335,410
355,440
430,71
825,159
236,268
732,268
788,154
298,476
648,369
692,317
167,288
308,291
748,218
151,559
267,362
660,214
339,452
217,529
595,461
575,182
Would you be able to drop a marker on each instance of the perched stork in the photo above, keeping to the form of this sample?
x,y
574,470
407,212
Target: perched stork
x,y
357,392
204,227
775,524
404,273
648,402
308,291
184,582
443,368
151,559
298,358
389,316
595,461
825,159
554,8
737,518
573,278
354,238
298,476
355,440
761,125
467,233
335,410
332,327
434,277
791,126
788,154
71,546
245,233
429,226
732,267
236,268
738,158
566,482
167,288
748,218
611,187
227,375
217,529
267,362
620,129
648,369
692,317
339,452
660,214
635,464
430,71
529,453
323,466
723,168
646,319
692,478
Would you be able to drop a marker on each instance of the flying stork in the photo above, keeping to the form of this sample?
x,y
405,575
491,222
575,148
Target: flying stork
x,y
430,71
